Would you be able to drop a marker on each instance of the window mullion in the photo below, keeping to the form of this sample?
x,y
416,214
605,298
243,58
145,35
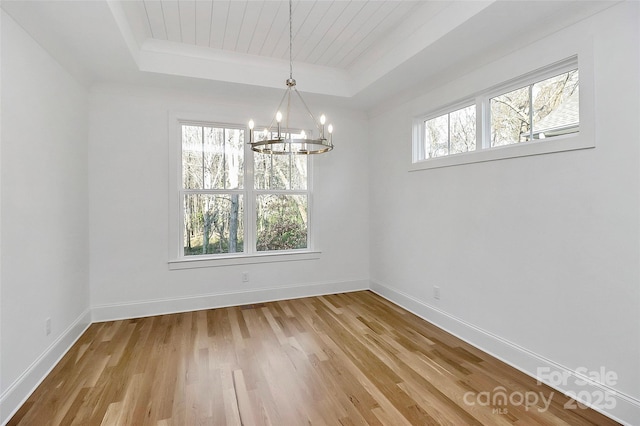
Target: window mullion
x,y
224,158
280,191
482,123
270,183
202,153
449,134
290,166
212,191
531,112
250,200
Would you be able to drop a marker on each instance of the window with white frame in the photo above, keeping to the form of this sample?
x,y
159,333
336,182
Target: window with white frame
x,y
540,110
451,133
235,201
530,109
281,200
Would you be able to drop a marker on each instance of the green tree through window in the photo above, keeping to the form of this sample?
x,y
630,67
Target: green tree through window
x,y
212,172
225,206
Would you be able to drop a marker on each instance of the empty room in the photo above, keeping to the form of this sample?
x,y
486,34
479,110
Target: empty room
x,y
292,212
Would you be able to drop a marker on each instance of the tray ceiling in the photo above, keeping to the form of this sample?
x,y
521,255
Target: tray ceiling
x,y
362,52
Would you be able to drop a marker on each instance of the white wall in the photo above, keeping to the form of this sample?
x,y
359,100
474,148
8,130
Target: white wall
x,y
536,257
44,213
1,386
129,213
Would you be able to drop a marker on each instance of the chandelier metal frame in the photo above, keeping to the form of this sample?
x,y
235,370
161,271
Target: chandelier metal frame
x,y
279,138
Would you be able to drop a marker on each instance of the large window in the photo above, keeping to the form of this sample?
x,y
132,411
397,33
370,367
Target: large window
x,y
237,201
533,109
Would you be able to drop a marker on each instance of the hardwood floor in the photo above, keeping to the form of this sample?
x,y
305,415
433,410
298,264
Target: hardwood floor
x,y
343,359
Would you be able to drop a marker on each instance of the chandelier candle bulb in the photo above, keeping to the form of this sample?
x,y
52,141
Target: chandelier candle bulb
x,y
279,120
323,120
251,124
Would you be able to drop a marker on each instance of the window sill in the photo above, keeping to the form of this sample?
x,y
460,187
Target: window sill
x,y
524,149
242,259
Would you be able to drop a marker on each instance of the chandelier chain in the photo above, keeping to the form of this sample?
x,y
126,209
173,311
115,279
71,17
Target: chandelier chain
x,y
290,42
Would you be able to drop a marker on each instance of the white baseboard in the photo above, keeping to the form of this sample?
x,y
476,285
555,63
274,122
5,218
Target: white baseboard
x,y
624,408
18,392
147,308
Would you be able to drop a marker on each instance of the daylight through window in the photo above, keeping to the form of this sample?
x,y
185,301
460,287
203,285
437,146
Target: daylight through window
x,y
545,109
451,133
281,201
238,201
542,105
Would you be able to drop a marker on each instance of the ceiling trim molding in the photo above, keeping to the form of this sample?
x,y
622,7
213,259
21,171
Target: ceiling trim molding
x,y
412,38
165,57
120,18
424,28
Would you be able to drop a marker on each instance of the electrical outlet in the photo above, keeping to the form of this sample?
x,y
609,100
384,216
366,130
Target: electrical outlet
x,y
47,326
436,292
245,277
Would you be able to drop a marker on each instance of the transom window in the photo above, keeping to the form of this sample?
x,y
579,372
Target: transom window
x,y
451,133
541,110
237,201
539,106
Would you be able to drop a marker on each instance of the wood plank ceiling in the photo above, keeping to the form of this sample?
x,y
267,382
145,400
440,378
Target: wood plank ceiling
x,y
327,33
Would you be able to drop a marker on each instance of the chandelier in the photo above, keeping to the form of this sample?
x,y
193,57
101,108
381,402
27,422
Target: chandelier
x,y
280,137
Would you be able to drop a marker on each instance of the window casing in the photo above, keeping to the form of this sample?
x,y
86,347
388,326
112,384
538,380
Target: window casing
x,y
549,98
234,203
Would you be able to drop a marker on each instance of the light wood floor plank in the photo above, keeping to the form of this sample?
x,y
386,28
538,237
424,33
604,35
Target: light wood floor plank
x,y
345,359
